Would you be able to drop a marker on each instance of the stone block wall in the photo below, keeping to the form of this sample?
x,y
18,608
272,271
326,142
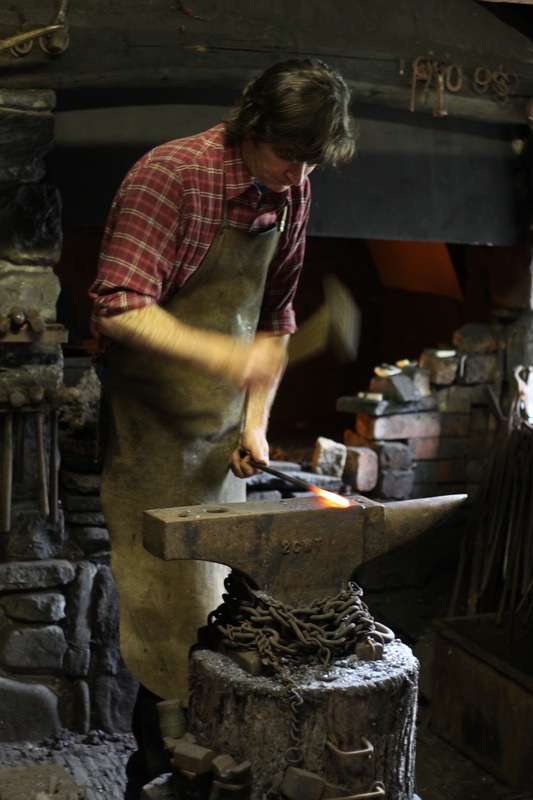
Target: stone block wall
x,y
59,659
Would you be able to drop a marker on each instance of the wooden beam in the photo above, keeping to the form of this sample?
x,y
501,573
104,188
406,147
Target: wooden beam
x,y
203,51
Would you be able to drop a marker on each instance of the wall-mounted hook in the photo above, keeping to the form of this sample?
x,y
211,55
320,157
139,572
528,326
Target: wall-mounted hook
x,y
53,38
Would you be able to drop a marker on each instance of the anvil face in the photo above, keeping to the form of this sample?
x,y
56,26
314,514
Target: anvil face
x,y
295,550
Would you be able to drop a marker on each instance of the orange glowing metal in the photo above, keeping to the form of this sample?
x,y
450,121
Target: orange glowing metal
x,y
331,498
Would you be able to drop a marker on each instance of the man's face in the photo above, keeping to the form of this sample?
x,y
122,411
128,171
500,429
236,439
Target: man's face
x,y
276,173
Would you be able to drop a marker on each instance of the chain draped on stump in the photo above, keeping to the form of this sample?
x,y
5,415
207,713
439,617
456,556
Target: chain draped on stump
x,y
283,635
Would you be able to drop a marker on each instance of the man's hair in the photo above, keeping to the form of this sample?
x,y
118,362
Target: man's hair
x,y
301,108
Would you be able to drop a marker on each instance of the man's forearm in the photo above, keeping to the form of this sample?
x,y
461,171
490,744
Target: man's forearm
x,y
153,330
254,365
260,398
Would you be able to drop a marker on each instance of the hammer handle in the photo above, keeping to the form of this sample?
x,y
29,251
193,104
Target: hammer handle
x,y
281,475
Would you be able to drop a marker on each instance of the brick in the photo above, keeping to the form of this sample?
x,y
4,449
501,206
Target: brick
x,y
27,647
354,439
399,426
81,482
453,447
361,468
329,457
442,370
475,471
480,395
420,378
37,607
451,470
424,449
481,419
478,369
394,387
21,703
454,399
425,472
366,403
394,455
94,518
80,502
36,574
476,337
455,424
479,445
395,484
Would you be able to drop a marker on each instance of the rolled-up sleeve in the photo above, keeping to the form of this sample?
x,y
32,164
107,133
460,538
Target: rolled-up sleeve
x,y
139,243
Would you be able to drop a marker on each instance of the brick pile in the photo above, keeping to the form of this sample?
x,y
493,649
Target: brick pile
x,y
429,422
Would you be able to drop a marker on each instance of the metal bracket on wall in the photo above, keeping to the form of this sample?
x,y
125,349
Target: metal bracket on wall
x,y
53,38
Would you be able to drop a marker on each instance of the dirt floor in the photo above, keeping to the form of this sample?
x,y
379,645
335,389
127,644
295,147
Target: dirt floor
x,y
96,763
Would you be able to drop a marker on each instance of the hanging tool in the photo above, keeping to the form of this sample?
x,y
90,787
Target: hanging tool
x,y
20,429
53,38
53,490
44,506
7,472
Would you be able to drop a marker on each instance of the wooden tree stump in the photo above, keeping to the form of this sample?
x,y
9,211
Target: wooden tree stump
x,y
345,707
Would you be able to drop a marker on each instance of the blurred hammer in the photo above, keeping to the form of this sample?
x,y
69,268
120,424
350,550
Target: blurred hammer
x,y
335,327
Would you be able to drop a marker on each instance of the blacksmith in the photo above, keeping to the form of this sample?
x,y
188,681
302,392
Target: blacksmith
x,y
193,306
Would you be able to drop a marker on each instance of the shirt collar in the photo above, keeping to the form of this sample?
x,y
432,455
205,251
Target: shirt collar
x,y
238,178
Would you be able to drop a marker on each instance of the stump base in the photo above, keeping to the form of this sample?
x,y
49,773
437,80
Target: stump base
x,y
345,707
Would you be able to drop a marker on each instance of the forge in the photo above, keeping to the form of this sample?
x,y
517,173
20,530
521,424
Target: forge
x,y
293,680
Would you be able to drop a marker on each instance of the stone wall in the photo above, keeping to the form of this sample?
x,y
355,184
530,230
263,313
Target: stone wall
x,y
59,660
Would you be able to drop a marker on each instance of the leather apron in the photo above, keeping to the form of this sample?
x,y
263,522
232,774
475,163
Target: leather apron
x,y
171,431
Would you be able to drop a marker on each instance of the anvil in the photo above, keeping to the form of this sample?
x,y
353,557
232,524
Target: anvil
x,y
295,550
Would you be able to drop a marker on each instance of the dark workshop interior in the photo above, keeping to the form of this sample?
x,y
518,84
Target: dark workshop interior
x,y
421,245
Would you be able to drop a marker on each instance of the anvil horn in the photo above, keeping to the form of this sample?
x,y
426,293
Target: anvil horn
x,y
295,550
407,519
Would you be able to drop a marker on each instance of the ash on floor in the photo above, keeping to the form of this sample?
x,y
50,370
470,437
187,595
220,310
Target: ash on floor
x,y
95,761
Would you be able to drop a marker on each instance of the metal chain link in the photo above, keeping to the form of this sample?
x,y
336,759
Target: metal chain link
x,y
283,635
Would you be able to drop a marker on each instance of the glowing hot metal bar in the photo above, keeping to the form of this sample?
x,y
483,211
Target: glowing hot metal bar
x,y
331,497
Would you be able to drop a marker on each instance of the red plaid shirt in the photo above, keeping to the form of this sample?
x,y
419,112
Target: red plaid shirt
x,y
166,214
